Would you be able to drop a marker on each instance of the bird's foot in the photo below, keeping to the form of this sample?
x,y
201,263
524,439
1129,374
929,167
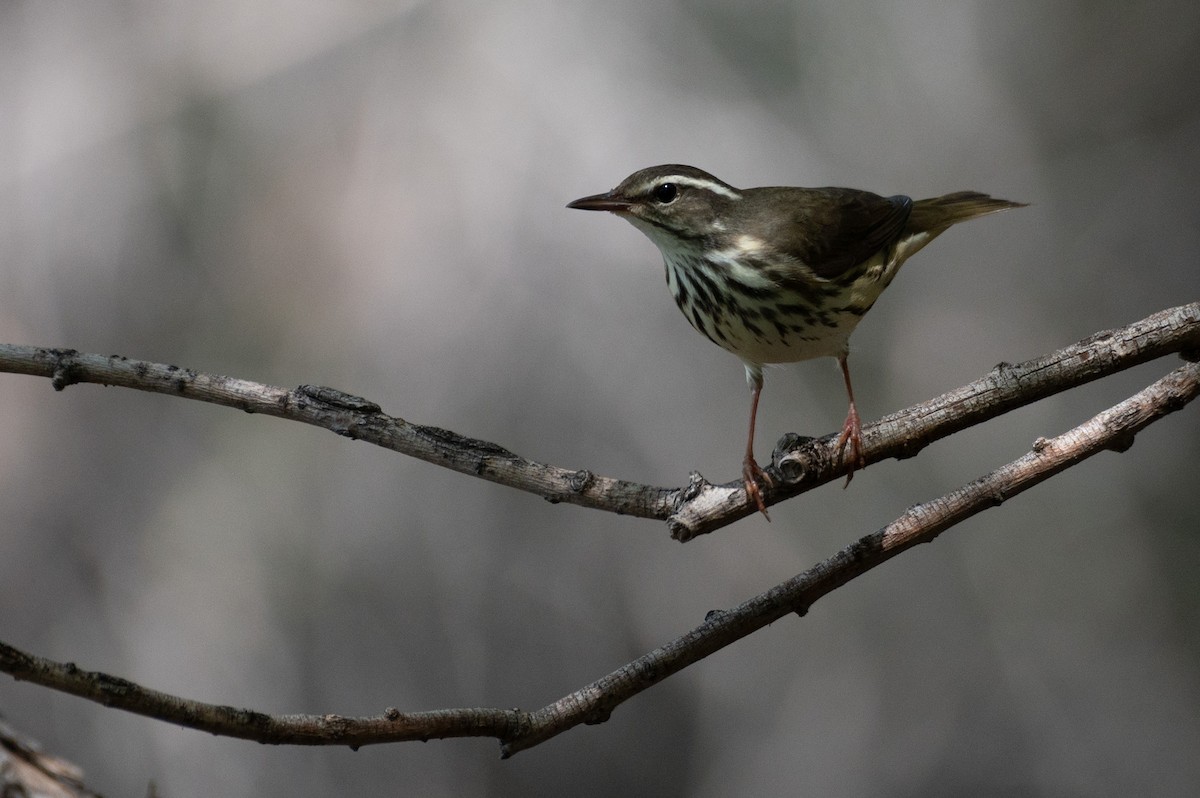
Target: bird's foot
x,y
756,480
851,435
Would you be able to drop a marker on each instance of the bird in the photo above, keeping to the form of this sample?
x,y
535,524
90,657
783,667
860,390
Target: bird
x,y
781,274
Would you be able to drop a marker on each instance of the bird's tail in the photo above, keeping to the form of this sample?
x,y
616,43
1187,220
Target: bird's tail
x,y
934,215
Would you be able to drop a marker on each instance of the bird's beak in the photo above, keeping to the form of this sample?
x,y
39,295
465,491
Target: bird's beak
x,y
601,202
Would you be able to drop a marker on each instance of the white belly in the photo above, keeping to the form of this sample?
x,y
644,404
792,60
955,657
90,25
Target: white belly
x,y
742,311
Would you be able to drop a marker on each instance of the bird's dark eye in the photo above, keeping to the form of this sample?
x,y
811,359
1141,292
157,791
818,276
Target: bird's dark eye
x,y
666,192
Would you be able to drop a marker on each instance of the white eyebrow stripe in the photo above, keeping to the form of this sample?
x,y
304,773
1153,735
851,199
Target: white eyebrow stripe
x,y
697,182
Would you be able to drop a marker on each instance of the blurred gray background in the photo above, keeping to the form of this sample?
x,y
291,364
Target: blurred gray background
x,y
370,196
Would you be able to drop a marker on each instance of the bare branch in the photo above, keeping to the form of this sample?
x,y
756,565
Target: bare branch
x,y
392,726
347,415
799,464
1113,429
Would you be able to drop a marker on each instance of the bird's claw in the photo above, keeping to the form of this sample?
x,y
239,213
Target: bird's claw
x,y
756,479
852,435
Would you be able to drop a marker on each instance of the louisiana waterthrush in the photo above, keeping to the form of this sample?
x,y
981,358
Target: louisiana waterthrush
x,y
780,274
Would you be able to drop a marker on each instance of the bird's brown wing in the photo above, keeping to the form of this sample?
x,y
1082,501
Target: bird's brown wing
x,y
832,230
